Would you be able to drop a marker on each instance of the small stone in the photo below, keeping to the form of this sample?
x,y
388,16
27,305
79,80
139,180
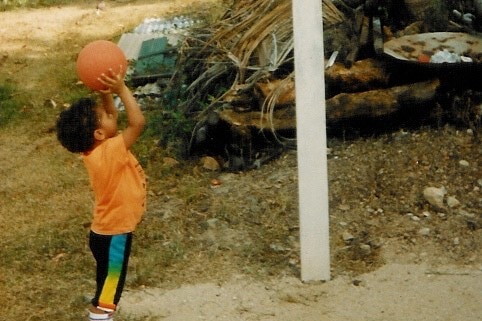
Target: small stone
x,y
452,202
424,231
210,163
464,163
277,247
365,249
212,223
347,237
435,196
344,207
169,162
456,241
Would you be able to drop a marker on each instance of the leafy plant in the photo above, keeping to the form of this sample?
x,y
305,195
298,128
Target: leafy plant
x,y
170,124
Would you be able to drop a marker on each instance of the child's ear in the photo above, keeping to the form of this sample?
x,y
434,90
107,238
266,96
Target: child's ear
x,y
99,134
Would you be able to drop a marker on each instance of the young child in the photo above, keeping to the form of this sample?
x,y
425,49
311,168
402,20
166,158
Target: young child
x,y
117,180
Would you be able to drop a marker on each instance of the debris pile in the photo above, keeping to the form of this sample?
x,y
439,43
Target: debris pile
x,y
235,78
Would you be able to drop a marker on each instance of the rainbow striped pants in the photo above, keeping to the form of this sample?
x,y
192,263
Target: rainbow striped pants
x,y
111,253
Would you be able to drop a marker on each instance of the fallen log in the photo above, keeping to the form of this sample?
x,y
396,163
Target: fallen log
x,y
372,103
380,102
363,75
282,119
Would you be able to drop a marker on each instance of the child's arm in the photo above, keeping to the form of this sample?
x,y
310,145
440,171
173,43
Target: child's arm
x,y
135,118
108,103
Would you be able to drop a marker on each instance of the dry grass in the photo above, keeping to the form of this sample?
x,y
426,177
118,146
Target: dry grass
x,y
46,269
41,227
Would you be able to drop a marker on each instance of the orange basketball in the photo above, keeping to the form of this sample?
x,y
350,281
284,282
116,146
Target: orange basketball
x,y
97,58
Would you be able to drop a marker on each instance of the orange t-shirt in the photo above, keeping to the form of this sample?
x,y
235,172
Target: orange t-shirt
x,y
119,187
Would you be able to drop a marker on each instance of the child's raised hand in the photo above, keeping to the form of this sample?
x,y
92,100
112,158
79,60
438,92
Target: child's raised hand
x,y
114,82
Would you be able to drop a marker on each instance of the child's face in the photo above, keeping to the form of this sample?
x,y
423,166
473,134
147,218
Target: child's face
x,y
106,122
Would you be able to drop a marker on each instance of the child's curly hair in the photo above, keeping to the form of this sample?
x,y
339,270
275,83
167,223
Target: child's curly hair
x,y
76,126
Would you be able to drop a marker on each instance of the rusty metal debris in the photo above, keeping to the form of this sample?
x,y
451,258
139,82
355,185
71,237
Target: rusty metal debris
x,y
457,47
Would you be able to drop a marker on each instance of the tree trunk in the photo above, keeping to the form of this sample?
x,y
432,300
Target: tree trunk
x,y
376,103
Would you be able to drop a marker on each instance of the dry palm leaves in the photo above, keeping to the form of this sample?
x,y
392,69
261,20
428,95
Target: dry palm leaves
x,y
331,14
252,42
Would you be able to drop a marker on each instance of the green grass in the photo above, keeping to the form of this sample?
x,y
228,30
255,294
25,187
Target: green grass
x,y
11,4
9,106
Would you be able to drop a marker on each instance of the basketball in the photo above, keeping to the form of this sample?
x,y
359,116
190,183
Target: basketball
x,y
97,58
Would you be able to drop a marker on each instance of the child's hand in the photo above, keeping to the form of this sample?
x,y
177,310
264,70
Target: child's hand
x,y
115,83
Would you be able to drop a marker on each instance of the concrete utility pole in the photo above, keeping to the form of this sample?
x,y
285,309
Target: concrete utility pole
x,y
311,140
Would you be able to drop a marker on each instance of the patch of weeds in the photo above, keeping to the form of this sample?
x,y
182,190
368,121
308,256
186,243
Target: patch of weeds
x,y
37,3
190,192
148,265
169,124
9,107
358,255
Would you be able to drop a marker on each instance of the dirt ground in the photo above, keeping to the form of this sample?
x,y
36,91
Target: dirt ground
x,y
394,257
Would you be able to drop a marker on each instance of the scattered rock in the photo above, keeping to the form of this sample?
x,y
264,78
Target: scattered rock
x,y
347,237
278,247
169,162
365,249
452,202
212,223
426,214
210,163
424,231
413,217
435,196
344,207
